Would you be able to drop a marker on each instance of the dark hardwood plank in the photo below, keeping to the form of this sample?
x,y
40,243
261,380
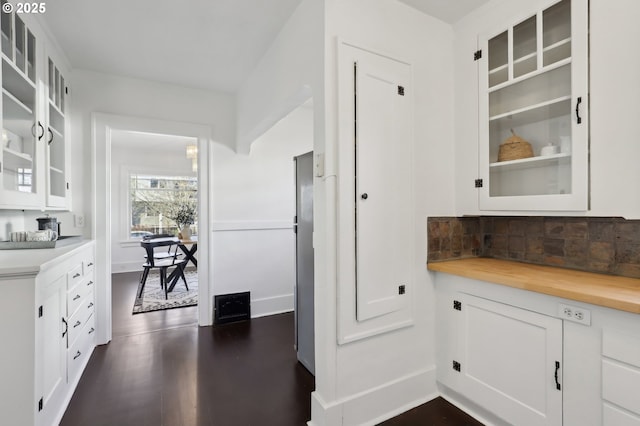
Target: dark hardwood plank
x,y
236,374
123,293
437,412
164,370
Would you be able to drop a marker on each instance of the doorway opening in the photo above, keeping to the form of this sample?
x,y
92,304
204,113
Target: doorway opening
x,y
154,193
113,223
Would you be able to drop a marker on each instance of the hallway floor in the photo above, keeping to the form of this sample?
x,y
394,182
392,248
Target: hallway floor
x,y
167,371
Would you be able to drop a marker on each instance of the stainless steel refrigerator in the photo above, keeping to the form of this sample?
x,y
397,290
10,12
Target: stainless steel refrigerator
x,y
303,227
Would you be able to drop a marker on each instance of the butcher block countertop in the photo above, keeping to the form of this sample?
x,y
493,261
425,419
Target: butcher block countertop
x,y
610,291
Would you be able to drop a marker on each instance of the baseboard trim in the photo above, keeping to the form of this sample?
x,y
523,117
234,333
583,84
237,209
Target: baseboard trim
x,y
271,305
378,404
131,266
475,411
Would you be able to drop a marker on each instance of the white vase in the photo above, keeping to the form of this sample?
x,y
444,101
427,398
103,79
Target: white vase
x,y
186,232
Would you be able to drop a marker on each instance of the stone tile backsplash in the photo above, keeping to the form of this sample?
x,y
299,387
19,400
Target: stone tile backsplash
x,y
606,245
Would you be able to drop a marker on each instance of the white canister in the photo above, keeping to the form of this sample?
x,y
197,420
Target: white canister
x,y
549,149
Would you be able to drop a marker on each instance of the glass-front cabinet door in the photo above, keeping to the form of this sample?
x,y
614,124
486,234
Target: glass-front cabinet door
x,y
56,146
22,132
533,149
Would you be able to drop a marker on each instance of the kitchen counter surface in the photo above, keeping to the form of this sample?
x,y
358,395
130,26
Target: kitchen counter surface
x,y
610,291
32,261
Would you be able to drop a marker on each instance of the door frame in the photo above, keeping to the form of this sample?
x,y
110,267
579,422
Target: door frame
x,y
102,126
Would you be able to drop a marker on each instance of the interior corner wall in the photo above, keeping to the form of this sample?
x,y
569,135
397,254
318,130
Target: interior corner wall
x,y
288,74
369,380
253,209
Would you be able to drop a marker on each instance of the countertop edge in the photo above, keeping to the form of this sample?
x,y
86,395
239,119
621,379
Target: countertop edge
x,y
610,291
48,260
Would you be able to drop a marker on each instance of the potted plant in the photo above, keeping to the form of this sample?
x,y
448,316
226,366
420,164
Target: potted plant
x,y
184,217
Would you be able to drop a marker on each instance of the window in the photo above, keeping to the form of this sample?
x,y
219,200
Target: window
x,y
25,179
158,203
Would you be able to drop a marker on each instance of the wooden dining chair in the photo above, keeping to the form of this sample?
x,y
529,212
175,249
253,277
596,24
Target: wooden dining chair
x,y
168,259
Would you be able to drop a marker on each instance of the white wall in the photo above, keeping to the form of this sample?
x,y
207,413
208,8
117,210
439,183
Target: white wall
x,y
12,221
96,92
254,205
286,76
372,379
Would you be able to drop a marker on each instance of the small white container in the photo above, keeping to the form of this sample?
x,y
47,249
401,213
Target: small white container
x,y
549,149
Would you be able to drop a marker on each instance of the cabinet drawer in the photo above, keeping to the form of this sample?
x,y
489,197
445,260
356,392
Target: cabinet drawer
x,y
613,416
74,276
621,347
87,264
79,351
74,299
76,295
79,319
621,385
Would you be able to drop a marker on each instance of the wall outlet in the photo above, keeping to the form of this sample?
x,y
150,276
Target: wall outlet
x,y
575,314
78,220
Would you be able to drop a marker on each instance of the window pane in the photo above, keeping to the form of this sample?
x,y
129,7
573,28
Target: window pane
x,y
162,204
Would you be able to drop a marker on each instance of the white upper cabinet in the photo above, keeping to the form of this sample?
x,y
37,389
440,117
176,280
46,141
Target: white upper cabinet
x,y
22,128
34,159
533,117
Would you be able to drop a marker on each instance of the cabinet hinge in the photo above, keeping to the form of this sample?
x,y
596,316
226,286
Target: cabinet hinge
x,y
478,183
457,305
67,185
477,55
40,404
66,90
401,289
40,311
401,90
456,365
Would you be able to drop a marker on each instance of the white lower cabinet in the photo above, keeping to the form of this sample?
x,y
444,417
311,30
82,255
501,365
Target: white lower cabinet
x,y
620,378
51,333
510,360
507,357
51,364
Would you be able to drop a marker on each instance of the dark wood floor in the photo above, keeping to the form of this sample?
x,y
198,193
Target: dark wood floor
x,y
123,293
164,370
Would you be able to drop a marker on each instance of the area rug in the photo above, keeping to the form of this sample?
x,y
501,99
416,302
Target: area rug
x,y
153,296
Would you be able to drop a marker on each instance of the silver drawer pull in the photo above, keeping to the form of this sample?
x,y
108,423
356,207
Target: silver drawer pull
x,y
77,297
90,264
77,355
92,330
77,324
76,275
90,283
90,305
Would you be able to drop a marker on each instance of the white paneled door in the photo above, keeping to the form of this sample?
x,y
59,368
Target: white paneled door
x,y
382,184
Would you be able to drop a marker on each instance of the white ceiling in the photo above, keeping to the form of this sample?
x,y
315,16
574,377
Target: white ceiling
x,y
446,10
210,44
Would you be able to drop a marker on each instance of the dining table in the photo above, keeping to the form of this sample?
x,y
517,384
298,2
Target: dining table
x,y
189,247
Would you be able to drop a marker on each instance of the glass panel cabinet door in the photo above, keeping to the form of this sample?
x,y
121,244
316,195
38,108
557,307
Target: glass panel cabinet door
x,y
22,131
57,155
533,116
